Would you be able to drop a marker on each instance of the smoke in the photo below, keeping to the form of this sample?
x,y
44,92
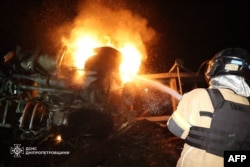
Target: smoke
x,y
111,22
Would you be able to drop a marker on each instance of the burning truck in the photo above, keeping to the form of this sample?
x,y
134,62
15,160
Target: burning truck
x,y
40,92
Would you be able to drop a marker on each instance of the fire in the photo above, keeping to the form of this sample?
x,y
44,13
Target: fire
x,y
58,139
81,48
98,26
131,62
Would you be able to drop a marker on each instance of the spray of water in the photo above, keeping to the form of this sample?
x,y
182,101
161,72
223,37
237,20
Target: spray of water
x,y
159,86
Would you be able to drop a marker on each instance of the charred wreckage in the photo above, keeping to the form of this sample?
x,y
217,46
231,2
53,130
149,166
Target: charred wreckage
x,y
39,98
38,95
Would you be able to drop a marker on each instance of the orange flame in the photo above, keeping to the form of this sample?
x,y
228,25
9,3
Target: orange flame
x,y
101,26
131,62
82,48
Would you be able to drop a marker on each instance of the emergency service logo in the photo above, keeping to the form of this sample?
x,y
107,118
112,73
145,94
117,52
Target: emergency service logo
x,y
17,150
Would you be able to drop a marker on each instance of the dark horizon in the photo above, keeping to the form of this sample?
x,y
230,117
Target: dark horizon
x,y
193,31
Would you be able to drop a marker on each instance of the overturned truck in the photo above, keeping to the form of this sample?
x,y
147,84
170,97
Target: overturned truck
x,y
38,93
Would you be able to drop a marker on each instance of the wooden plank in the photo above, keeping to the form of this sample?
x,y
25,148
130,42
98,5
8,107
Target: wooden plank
x,y
172,75
154,118
173,86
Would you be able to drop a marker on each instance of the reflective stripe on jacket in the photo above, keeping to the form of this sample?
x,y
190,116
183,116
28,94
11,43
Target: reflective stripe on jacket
x,y
228,127
191,111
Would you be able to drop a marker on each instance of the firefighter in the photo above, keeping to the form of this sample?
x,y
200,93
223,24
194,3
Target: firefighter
x,y
215,119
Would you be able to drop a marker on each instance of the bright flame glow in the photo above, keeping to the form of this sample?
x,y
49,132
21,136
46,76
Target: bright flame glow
x,y
98,26
131,62
58,139
82,53
81,48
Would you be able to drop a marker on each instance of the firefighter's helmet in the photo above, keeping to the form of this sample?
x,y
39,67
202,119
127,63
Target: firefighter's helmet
x,y
234,61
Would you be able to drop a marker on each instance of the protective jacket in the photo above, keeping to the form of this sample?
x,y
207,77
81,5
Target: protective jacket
x,y
229,127
194,122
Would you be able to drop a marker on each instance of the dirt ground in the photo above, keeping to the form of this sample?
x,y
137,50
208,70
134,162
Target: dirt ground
x,y
140,144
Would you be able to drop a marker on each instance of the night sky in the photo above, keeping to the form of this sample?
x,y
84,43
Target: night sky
x,y
192,30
